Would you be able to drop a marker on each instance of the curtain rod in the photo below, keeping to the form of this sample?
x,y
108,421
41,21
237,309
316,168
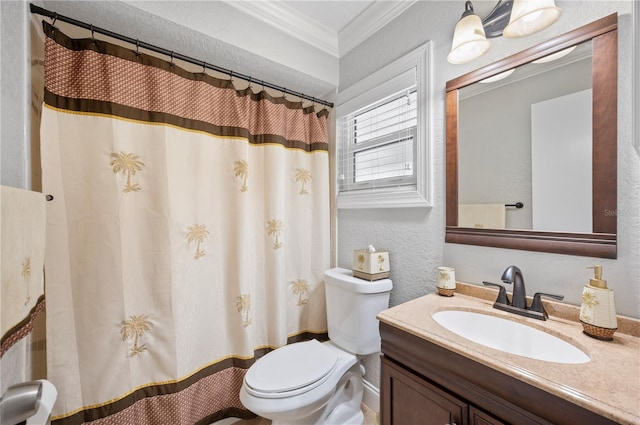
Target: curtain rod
x,y
55,16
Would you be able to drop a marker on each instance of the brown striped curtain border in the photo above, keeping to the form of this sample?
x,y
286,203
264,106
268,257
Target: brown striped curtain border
x,y
174,389
177,96
22,329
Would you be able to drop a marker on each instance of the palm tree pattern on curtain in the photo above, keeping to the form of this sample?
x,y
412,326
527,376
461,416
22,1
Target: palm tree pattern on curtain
x,y
134,328
243,304
127,164
241,170
301,288
197,233
303,176
154,234
274,230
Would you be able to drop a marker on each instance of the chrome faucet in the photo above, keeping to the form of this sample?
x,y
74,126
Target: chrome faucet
x,y
518,302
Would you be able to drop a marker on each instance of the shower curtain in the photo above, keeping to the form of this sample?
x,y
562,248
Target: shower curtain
x,y
187,236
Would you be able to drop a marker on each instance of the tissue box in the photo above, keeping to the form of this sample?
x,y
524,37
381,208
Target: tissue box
x,y
370,265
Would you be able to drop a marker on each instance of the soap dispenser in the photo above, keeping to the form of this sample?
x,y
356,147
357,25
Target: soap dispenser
x,y
598,309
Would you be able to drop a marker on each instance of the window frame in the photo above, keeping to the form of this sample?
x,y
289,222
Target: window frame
x,y
377,86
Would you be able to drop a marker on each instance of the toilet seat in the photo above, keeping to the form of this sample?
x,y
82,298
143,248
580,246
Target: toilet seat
x,y
291,370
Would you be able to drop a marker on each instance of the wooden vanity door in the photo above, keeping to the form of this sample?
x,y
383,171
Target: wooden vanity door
x,y
409,400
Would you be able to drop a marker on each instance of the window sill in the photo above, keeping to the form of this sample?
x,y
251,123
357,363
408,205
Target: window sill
x,y
408,199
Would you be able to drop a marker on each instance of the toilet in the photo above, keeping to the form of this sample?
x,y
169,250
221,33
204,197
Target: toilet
x,y
321,383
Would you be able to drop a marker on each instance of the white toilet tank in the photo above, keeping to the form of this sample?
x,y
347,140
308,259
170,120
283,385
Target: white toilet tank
x,y
352,306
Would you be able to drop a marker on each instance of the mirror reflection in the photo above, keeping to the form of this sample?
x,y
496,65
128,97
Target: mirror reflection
x,y
525,139
550,165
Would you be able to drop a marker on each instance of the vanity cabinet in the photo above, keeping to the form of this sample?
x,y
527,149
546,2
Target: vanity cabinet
x,y
425,383
410,399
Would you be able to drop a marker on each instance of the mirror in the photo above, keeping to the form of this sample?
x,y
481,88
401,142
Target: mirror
x,y
488,169
531,149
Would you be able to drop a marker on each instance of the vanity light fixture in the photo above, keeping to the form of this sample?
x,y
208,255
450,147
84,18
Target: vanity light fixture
x,y
511,18
531,16
469,39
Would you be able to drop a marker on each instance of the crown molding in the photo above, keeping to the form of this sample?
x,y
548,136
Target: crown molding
x,y
372,19
300,26
292,22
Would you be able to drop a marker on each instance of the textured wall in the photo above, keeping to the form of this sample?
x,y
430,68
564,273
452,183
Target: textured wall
x,y
15,71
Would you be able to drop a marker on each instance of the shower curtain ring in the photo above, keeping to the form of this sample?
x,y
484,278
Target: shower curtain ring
x,y
55,18
204,67
93,36
137,48
250,81
172,59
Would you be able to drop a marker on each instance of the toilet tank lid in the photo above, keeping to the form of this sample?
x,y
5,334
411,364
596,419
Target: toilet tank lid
x,y
344,278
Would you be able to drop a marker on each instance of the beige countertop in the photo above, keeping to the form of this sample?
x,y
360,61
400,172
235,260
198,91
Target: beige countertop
x,y
608,385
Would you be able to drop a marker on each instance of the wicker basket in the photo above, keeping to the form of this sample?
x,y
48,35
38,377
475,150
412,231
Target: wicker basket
x,y
597,332
446,292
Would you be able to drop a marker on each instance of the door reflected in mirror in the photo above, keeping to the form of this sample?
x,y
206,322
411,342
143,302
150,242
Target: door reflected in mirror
x,y
532,146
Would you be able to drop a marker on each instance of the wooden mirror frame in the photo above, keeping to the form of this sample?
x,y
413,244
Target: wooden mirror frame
x,y
600,243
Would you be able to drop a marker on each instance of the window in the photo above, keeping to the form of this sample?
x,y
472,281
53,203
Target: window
x,y
379,151
383,144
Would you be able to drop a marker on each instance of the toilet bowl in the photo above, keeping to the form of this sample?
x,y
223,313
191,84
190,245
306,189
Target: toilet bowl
x,y
308,383
321,383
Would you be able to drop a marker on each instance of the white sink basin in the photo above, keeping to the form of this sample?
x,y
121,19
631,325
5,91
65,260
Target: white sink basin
x,y
509,336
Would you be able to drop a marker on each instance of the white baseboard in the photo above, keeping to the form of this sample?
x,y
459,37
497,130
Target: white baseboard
x,y
371,396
